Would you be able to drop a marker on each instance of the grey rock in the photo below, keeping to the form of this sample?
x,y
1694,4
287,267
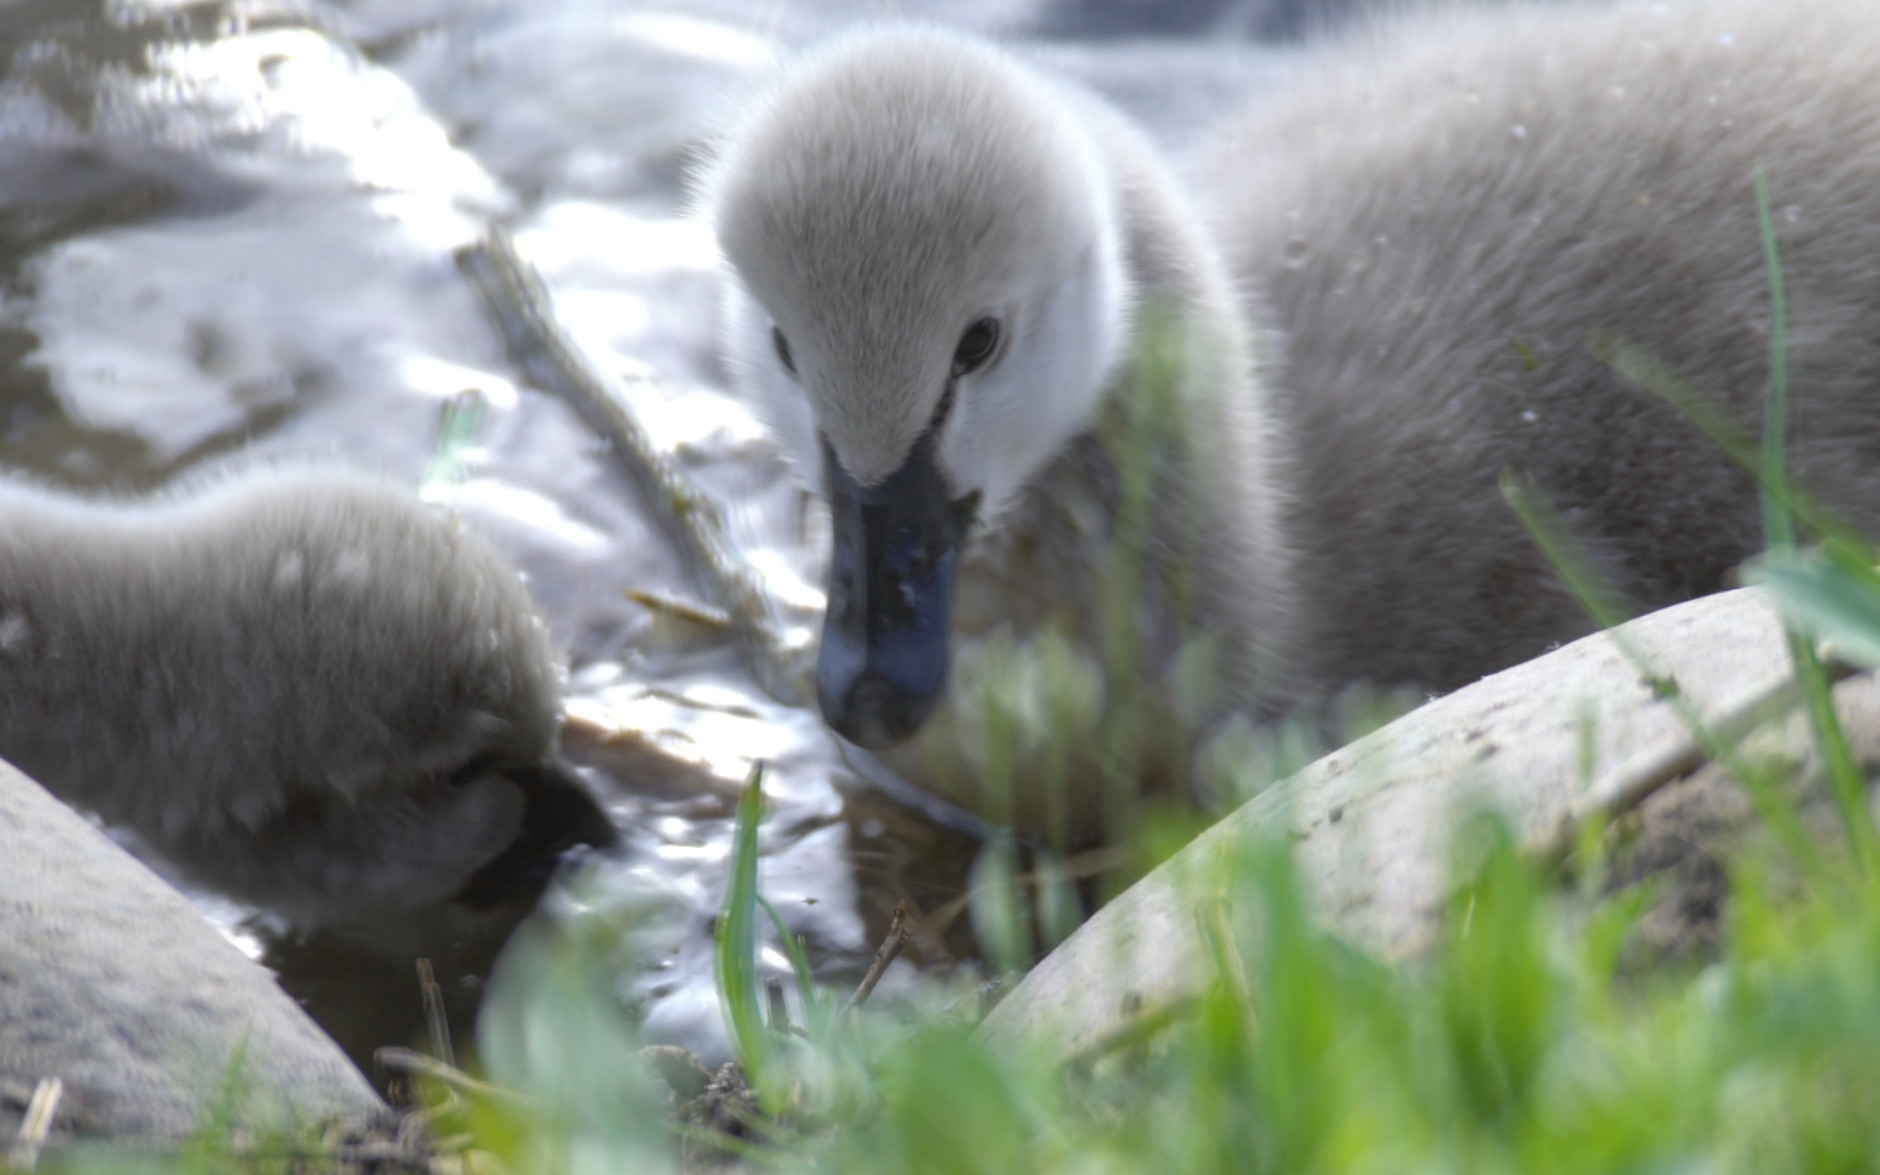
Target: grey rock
x,y
1371,823
112,982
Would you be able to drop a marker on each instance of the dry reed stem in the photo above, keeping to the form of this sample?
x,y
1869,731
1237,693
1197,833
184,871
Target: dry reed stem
x,y
898,934
36,1126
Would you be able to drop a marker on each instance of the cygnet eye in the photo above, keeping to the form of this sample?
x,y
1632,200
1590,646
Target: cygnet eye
x,y
783,349
976,346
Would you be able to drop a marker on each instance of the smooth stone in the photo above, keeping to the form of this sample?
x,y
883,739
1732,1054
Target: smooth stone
x,y
111,981
1370,822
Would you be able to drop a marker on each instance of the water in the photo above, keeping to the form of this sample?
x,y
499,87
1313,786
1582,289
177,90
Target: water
x,y
232,227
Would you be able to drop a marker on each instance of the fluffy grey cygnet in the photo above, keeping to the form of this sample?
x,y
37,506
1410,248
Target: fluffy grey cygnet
x,y
1036,380
1455,215
298,683
938,261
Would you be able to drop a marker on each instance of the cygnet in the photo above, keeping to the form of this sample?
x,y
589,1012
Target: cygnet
x,y
1236,444
298,683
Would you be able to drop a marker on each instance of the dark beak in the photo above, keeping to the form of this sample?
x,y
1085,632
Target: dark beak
x,y
883,666
560,815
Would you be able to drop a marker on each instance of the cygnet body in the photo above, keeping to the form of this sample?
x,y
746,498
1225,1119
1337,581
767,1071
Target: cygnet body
x,y
1457,218
298,683
1433,219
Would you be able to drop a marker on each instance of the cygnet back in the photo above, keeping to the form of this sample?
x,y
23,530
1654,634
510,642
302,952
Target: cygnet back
x,y
298,682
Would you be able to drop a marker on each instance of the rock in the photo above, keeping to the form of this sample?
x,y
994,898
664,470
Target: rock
x,y
112,982
1370,822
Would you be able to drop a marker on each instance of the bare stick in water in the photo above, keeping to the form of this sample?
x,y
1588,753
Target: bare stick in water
x,y
692,521
898,934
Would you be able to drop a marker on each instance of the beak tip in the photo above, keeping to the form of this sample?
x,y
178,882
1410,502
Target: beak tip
x,y
873,713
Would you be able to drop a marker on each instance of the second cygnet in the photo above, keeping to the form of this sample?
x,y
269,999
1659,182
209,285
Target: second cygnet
x,y
298,683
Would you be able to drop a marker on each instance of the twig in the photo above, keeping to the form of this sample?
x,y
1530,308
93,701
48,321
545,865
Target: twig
x,y
667,604
1634,780
411,1061
434,1017
692,521
898,934
23,1155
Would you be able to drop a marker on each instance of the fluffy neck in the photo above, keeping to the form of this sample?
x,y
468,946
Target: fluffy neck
x,y
1183,451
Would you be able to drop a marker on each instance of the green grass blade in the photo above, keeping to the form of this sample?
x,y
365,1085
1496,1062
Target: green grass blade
x,y
1844,773
1778,523
816,1005
1821,599
1652,375
739,986
459,427
1573,566
1581,576
998,911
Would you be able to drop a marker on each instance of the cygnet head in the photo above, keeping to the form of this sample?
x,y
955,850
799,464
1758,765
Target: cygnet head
x,y
927,295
